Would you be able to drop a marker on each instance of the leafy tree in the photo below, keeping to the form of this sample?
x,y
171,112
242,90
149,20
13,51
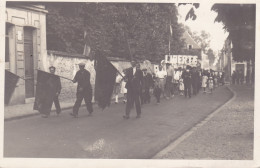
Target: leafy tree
x,y
117,29
239,21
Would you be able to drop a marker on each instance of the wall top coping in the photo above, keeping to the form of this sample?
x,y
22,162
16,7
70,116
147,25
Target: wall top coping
x,y
74,55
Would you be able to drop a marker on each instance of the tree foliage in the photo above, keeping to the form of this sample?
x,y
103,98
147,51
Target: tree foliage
x,y
124,30
239,21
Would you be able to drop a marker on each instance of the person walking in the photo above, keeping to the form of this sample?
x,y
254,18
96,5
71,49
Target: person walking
x,y
169,80
157,90
84,90
186,75
52,93
161,75
204,82
123,89
194,80
181,87
134,78
58,90
117,86
211,84
147,84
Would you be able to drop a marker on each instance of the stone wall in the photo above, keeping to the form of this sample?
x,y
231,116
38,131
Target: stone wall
x,y
67,66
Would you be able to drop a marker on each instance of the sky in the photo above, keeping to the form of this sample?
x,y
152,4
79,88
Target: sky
x,y
204,21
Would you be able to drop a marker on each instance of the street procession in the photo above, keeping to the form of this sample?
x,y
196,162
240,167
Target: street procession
x,y
156,82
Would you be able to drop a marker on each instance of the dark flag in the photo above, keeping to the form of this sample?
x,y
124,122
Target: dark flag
x,y
46,88
105,80
10,84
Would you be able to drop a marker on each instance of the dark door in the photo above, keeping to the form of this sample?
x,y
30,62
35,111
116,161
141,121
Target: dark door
x,y
28,62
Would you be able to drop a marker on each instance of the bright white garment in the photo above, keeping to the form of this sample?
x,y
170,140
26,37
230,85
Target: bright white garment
x,y
161,74
204,81
118,78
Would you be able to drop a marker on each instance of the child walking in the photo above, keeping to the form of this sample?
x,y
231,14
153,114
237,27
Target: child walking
x,y
157,90
204,82
181,87
211,84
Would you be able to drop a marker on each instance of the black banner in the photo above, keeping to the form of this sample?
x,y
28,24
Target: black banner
x,y
10,85
105,80
46,88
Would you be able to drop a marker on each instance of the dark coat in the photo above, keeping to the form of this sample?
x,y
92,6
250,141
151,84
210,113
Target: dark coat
x,y
134,81
186,76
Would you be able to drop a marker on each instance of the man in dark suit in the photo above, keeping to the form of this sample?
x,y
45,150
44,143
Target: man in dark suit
x,y
134,78
51,93
58,90
186,76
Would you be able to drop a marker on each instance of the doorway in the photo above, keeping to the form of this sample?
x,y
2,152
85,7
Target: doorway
x,y
28,62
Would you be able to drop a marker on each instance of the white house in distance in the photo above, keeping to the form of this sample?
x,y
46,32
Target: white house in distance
x,y
190,55
25,45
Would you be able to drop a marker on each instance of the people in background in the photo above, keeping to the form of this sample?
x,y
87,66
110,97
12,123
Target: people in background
x,y
117,86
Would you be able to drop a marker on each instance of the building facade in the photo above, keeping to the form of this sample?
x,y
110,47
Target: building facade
x,y
25,46
228,65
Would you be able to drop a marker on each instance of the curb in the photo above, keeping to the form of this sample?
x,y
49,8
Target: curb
x,y
31,115
175,142
52,111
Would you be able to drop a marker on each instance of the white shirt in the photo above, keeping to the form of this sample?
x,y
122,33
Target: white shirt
x,y
134,70
177,75
161,74
118,78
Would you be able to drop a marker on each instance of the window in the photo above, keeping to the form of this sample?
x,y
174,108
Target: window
x,y
190,46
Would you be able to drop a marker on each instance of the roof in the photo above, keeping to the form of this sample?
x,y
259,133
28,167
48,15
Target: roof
x,y
189,40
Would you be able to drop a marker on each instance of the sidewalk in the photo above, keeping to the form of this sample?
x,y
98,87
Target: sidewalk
x,y
26,110
228,135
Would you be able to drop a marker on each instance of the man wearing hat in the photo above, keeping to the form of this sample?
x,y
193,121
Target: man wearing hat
x,y
84,90
134,79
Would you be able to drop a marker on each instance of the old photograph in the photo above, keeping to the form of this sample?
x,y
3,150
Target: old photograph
x,y
160,81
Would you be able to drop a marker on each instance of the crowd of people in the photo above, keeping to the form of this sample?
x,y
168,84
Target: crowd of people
x,y
139,85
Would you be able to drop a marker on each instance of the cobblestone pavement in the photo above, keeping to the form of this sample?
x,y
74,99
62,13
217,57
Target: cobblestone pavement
x,y
229,135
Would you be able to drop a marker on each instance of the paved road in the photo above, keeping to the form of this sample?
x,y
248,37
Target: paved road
x,y
228,135
106,134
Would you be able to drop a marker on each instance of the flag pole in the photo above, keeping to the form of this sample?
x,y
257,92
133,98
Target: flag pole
x,y
57,75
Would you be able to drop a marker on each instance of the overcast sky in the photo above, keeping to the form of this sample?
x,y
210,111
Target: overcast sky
x,y
205,21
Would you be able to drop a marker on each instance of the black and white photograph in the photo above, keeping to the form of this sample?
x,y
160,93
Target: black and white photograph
x,y
129,84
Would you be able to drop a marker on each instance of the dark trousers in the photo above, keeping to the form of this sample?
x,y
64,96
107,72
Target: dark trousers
x,y
168,86
133,98
87,98
57,104
146,98
195,87
157,94
187,88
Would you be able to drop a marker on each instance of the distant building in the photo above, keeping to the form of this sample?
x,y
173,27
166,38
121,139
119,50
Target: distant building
x,y
228,65
25,45
189,55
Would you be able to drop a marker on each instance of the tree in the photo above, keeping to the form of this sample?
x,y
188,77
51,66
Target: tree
x,y
118,29
202,39
239,21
